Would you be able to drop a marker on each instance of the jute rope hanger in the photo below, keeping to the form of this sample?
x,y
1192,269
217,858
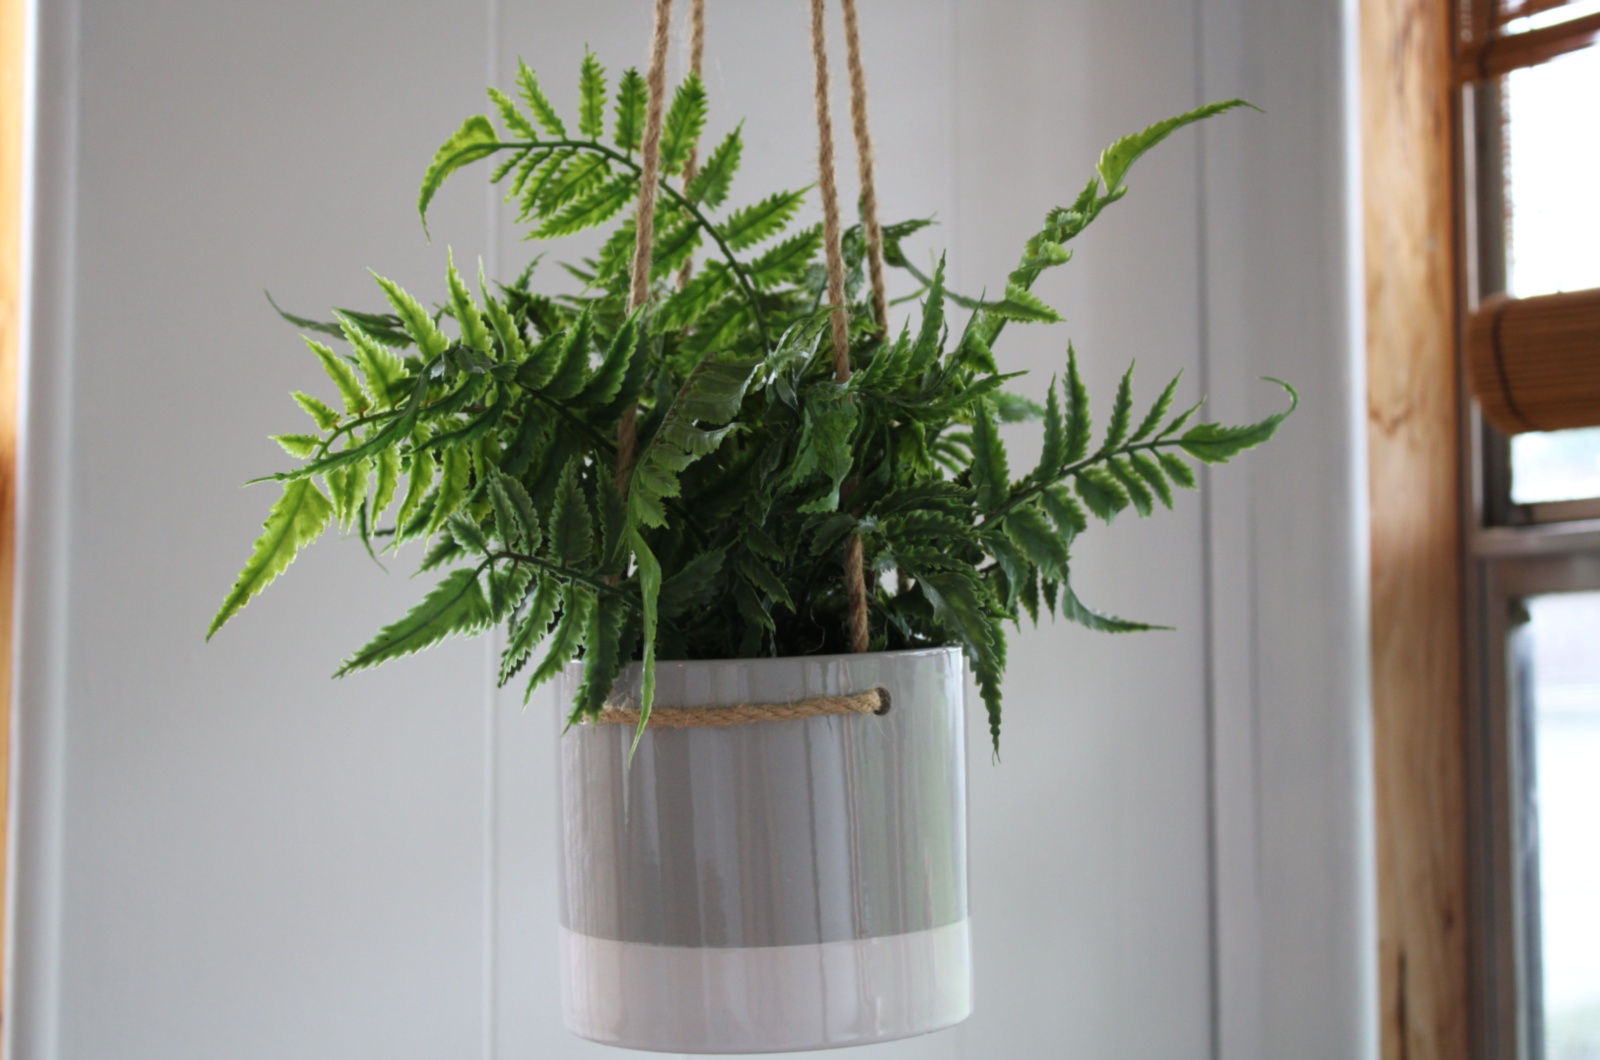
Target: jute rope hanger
x,y
875,701
644,228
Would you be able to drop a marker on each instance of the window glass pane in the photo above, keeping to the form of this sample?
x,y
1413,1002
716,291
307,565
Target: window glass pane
x,y
1558,466
1565,653
1552,170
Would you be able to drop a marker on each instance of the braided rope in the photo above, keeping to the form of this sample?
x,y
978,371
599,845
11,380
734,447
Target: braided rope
x,y
691,165
869,187
855,583
874,702
645,224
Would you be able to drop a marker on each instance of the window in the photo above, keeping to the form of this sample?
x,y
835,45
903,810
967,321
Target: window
x,y
1530,136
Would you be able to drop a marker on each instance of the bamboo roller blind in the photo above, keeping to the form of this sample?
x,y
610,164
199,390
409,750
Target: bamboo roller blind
x,y
1533,363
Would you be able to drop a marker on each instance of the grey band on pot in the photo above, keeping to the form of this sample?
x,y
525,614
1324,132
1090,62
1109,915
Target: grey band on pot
x,y
818,830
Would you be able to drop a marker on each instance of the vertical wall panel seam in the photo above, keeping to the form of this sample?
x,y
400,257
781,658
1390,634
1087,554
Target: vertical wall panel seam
x,y
1207,574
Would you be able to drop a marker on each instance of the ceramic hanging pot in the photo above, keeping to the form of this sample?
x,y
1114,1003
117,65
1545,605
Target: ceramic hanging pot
x,y
775,885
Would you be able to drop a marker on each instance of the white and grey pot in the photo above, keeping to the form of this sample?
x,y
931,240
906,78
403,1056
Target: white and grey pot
x,y
772,886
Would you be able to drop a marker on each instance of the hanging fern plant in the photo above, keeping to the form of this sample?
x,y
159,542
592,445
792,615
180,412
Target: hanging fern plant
x,y
484,428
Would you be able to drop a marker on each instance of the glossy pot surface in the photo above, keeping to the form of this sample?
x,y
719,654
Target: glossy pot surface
x,y
773,886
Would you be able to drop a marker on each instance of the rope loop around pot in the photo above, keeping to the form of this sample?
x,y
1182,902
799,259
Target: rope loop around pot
x,y
876,701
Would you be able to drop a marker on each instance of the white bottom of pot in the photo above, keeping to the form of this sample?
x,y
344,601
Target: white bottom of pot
x,y
766,999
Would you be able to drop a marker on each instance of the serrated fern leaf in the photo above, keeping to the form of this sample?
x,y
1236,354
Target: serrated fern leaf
x,y
712,183
1076,610
1023,306
475,139
786,260
530,629
571,525
539,103
326,419
1053,454
1101,492
1079,426
300,445
597,207
386,480
511,116
591,97
468,317
1132,485
753,224
1178,471
430,341
627,344
455,479
568,637
649,600
685,119
384,372
1214,443
991,473
1157,413
343,376
1148,470
1116,160
629,128
455,607
298,519
1121,411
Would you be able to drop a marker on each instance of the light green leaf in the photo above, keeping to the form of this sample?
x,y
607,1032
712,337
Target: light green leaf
x,y
1121,410
592,97
343,376
1116,160
326,418
1079,426
1178,471
474,140
387,464
1214,443
760,221
468,318
711,184
543,112
468,533
1148,470
511,116
430,341
385,373
455,607
1157,412
301,445
629,129
684,122
296,520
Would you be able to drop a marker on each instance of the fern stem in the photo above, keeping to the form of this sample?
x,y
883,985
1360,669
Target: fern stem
x,y
598,584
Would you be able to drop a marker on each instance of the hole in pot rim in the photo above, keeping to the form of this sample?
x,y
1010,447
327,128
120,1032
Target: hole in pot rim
x,y
884,703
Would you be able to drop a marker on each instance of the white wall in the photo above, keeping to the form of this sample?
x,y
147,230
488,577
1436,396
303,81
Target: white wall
x,y
221,853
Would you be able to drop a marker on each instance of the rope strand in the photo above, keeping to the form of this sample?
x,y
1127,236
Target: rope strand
x,y
691,165
873,702
645,224
869,189
855,584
